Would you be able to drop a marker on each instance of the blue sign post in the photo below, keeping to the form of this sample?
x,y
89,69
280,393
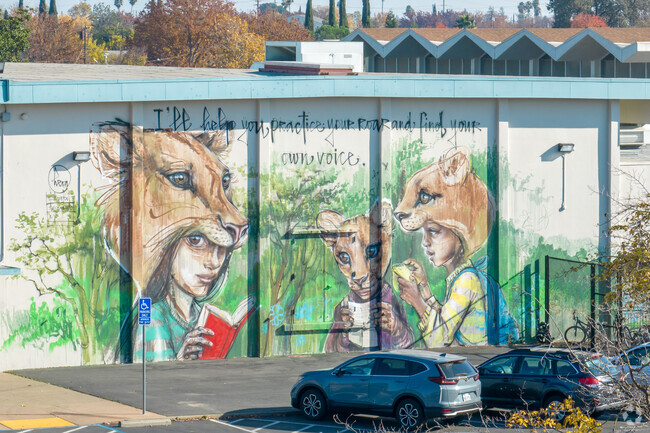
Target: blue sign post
x,y
144,319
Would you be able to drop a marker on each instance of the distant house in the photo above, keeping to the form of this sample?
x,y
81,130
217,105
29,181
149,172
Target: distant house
x,y
299,18
591,52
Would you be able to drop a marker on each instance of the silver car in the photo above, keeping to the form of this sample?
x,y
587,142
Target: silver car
x,y
635,364
410,385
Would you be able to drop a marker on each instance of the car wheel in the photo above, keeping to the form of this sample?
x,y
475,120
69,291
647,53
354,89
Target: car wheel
x,y
409,413
313,404
557,413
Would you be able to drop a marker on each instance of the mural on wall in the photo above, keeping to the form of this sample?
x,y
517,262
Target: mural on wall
x,y
455,211
185,231
344,255
371,316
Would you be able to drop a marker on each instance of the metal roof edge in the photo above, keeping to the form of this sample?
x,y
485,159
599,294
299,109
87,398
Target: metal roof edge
x,y
287,87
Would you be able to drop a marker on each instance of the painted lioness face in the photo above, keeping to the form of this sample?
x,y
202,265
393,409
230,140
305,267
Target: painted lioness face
x,y
361,246
449,194
178,184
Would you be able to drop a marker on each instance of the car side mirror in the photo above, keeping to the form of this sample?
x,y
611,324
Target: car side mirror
x,y
340,372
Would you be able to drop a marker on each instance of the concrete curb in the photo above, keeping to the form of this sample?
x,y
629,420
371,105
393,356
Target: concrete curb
x,y
154,422
244,413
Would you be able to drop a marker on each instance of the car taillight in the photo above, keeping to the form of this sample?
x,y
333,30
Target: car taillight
x,y
476,377
442,380
588,380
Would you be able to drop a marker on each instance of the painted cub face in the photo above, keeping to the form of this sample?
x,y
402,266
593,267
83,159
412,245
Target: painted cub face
x,y
448,193
361,246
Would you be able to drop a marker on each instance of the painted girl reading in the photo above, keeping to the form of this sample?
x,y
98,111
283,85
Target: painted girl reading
x,y
455,212
192,269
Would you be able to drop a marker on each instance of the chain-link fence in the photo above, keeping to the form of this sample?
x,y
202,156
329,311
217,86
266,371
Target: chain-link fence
x,y
575,294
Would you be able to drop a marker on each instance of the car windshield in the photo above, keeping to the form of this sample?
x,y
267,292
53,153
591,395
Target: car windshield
x,y
599,365
457,368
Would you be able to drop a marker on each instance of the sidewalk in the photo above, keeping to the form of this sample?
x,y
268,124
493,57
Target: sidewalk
x,y
214,388
26,403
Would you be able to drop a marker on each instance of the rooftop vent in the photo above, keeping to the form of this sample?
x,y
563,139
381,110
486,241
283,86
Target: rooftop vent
x,y
300,68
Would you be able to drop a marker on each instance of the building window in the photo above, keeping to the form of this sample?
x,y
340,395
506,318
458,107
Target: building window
x,y
545,66
499,67
638,70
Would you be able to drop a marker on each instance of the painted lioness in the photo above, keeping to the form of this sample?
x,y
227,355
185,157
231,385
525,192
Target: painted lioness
x,y
455,211
179,194
370,316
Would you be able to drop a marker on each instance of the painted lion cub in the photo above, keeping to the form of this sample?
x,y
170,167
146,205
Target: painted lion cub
x,y
370,316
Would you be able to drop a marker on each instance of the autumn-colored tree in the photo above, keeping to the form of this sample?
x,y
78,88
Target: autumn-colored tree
x,y
198,33
583,20
53,41
272,26
309,17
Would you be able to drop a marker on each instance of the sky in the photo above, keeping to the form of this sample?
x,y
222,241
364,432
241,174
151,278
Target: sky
x,y
397,6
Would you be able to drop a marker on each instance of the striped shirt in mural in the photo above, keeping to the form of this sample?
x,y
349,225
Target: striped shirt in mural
x,y
461,319
166,334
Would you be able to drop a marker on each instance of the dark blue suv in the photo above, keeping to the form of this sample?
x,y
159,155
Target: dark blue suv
x,y
537,377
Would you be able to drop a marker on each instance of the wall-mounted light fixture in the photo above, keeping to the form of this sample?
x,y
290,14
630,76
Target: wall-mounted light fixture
x,y
81,156
564,149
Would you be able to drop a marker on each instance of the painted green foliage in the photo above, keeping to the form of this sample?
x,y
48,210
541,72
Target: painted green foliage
x,y
290,263
66,262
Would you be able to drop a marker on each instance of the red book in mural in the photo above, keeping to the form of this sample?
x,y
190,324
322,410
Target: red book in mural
x,y
225,325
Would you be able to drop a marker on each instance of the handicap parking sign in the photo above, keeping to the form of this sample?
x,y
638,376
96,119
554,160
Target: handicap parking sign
x,y
144,311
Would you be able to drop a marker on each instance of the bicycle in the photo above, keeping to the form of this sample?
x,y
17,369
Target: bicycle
x,y
581,331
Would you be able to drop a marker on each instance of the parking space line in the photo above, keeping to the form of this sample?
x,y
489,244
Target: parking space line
x,y
230,425
265,426
297,423
25,431
304,428
107,428
75,429
235,421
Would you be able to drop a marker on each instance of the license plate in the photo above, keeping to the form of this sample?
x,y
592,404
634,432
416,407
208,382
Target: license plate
x,y
467,397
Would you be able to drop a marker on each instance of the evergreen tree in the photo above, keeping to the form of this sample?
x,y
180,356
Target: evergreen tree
x,y
6,15
118,4
14,36
42,7
21,4
537,11
365,15
309,17
465,22
53,12
564,10
343,15
391,20
332,14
